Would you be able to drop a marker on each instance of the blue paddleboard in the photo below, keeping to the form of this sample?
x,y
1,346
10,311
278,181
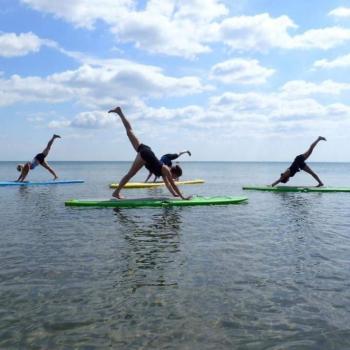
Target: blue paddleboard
x,y
39,183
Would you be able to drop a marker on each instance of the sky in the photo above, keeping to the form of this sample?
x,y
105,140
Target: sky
x,y
239,80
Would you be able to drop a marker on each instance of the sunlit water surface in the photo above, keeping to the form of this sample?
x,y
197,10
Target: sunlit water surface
x,y
270,274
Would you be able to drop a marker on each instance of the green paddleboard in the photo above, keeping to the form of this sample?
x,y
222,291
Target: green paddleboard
x,y
297,189
153,202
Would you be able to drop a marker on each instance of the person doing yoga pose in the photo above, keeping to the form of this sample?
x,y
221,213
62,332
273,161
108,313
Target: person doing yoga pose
x,y
38,159
167,160
299,164
145,157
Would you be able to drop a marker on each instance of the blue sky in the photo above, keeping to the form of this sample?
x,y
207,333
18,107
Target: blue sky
x,y
229,80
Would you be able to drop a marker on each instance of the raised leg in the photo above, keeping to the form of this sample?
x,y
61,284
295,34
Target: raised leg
x,y
313,145
136,166
132,137
48,147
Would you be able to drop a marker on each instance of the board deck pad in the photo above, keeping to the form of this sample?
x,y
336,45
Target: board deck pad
x,y
158,184
297,189
154,202
39,183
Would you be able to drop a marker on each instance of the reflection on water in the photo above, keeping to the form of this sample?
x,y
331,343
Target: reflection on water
x,y
271,274
301,225
152,245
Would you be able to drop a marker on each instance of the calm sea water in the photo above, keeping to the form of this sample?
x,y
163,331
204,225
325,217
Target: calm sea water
x,y
270,274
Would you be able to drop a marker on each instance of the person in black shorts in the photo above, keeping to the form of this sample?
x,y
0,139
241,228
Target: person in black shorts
x,y
145,157
167,160
38,159
299,164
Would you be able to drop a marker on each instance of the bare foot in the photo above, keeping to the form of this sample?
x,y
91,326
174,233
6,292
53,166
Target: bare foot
x,y
56,136
115,110
321,138
117,195
55,178
320,185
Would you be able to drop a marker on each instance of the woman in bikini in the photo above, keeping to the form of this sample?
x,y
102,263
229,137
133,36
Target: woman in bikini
x,y
38,159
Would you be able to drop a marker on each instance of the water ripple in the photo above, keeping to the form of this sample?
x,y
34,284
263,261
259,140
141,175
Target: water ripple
x,y
271,274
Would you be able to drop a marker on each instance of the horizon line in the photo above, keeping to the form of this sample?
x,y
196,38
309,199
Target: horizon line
x,y
185,161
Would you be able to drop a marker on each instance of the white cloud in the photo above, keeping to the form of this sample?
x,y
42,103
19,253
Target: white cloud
x,y
84,13
12,44
262,32
258,33
57,124
86,120
18,89
273,106
173,27
241,71
124,80
342,12
339,62
302,109
99,85
305,88
179,28
187,28
339,110
93,120
37,119
244,102
159,35
324,38
252,114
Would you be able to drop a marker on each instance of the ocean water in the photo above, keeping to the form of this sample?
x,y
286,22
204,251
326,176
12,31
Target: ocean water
x,y
270,274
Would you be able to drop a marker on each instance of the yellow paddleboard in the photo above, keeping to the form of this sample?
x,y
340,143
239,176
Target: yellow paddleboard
x,y
156,184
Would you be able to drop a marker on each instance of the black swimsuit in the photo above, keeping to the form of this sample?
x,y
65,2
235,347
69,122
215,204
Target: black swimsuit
x,y
153,164
297,165
167,159
40,157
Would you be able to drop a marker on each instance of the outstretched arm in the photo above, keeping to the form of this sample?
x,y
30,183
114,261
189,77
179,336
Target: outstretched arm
x,y
276,182
173,156
24,173
170,184
20,176
184,152
169,187
149,176
283,178
314,175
